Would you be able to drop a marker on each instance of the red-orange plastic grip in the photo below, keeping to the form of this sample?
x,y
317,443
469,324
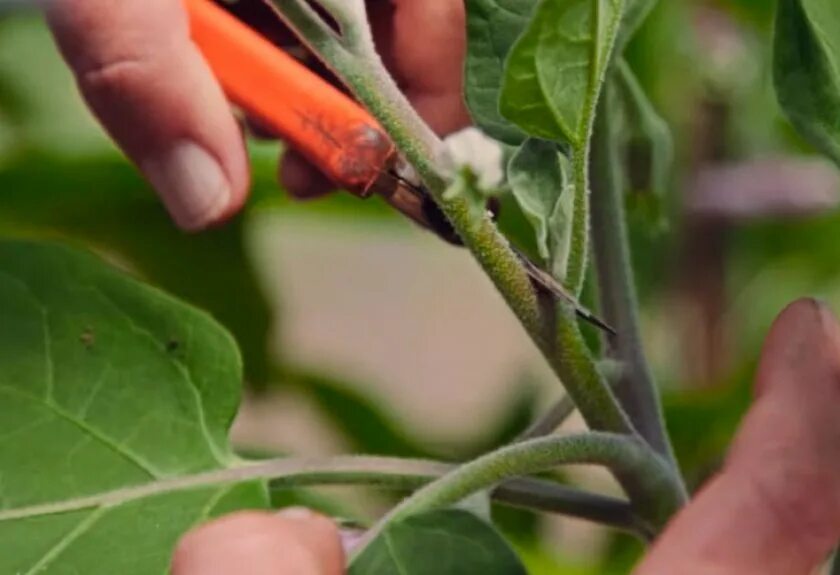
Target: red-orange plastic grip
x,y
326,126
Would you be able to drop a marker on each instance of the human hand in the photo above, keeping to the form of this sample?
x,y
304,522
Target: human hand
x,y
775,507
153,92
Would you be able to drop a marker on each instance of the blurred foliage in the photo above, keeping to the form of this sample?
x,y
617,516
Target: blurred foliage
x,y
370,428
59,177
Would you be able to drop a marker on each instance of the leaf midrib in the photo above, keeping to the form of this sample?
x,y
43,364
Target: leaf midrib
x,y
288,468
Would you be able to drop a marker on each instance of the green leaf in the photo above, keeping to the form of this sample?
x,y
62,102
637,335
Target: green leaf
x,y
647,140
555,70
103,204
806,69
110,394
465,186
536,175
444,542
492,28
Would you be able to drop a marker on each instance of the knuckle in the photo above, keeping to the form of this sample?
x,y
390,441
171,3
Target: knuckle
x,y
113,76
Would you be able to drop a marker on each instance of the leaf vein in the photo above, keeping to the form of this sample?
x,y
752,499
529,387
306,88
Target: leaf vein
x,y
185,372
117,448
66,541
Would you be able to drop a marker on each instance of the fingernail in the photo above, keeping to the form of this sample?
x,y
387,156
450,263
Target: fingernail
x,y
191,183
296,513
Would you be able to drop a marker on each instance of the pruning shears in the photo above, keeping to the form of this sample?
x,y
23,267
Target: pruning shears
x,y
326,126
329,128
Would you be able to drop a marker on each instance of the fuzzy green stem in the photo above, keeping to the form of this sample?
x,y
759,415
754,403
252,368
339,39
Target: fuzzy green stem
x,y
579,253
312,30
361,68
649,478
551,420
363,71
550,497
635,388
594,398
581,378
532,494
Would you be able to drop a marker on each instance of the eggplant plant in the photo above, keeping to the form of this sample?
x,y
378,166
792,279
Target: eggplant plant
x,y
116,399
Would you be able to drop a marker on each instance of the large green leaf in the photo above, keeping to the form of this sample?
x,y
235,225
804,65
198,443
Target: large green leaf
x,y
806,69
537,179
104,204
492,28
555,70
111,393
445,542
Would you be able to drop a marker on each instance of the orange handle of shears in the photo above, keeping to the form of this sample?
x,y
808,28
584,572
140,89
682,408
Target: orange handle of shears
x,y
326,126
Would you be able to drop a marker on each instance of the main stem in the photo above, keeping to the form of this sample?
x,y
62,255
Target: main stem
x,y
579,255
636,389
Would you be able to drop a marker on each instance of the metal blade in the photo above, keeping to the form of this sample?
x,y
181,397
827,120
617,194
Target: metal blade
x,y
423,210
547,281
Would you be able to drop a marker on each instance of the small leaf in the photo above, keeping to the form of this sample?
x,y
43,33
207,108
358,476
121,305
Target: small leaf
x,y
444,542
649,146
555,70
100,419
465,186
536,175
492,28
806,69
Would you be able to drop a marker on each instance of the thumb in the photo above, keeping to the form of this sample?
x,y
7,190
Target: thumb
x,y
775,507
296,542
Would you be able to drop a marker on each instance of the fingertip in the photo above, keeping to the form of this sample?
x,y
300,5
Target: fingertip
x,y
301,179
318,533
238,171
193,184
261,543
803,345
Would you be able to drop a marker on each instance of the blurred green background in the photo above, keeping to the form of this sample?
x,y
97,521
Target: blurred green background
x,y
363,334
